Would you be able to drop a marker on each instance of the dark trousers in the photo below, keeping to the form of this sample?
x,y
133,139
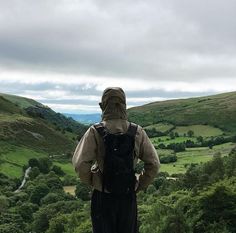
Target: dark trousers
x,y
113,214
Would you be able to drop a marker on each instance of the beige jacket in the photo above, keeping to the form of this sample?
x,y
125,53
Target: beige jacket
x,y
89,154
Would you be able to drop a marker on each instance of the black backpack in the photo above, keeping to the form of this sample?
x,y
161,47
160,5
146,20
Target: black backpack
x,y
118,172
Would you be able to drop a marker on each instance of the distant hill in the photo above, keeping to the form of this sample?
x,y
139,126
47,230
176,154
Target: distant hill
x,y
26,122
85,118
216,110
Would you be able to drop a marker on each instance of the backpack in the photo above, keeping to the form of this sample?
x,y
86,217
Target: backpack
x,y
118,175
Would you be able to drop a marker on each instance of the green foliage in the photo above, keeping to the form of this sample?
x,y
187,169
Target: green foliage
x,y
51,198
34,172
4,203
26,211
11,222
45,214
53,182
57,224
177,147
9,228
69,180
38,193
82,191
190,133
168,158
218,204
44,165
58,170
33,162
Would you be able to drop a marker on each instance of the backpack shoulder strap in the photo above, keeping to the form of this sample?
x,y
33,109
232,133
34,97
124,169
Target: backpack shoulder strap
x,y
132,129
100,129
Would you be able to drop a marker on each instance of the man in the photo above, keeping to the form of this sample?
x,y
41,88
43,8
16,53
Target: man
x,y
113,213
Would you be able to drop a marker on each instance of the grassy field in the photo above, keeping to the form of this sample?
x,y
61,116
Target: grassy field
x,y
161,127
11,162
195,155
199,130
167,140
12,158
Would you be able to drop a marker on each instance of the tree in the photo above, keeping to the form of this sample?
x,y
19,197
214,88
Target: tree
x,y
9,228
34,172
26,211
58,170
52,198
190,133
82,191
54,183
39,192
219,204
4,203
172,135
44,165
200,139
151,189
57,224
33,162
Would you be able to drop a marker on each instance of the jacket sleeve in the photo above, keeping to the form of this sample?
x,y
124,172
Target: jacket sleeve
x,y
84,156
148,154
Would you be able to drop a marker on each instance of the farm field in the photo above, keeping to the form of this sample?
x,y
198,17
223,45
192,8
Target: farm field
x,y
167,140
12,162
161,127
13,158
199,130
195,155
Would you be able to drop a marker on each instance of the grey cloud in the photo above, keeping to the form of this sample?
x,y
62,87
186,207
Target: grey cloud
x,y
79,95
173,40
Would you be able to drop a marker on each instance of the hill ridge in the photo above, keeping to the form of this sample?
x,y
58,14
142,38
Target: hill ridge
x,y
215,110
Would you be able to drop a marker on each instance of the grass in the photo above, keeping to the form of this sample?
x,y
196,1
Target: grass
x,y
161,127
67,168
167,140
22,102
21,156
199,130
216,110
13,158
5,118
195,155
11,170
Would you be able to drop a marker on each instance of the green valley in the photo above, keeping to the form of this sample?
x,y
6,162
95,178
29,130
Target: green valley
x,y
195,139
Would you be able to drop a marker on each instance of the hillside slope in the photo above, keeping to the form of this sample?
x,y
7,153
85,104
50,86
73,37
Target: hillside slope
x,y
216,110
26,122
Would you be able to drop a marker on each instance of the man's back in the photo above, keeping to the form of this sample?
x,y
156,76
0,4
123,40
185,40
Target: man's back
x,y
113,213
89,154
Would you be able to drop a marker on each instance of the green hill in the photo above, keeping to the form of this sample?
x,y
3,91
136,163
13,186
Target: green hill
x,y
20,101
27,122
216,110
28,128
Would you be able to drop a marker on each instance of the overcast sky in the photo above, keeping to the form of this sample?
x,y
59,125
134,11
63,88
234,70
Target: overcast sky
x,y
64,53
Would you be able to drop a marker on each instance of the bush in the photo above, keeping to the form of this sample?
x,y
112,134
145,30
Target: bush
x,y
168,159
38,193
82,191
58,170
